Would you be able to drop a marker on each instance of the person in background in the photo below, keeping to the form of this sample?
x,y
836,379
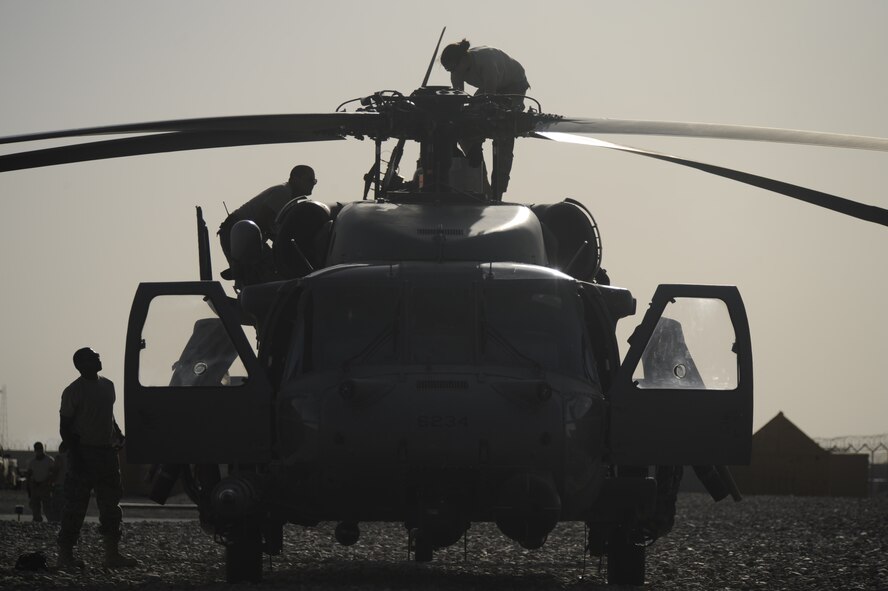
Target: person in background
x,y
91,439
41,477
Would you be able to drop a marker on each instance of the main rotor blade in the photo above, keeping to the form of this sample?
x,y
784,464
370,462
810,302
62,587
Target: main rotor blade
x,y
153,144
345,123
713,130
869,213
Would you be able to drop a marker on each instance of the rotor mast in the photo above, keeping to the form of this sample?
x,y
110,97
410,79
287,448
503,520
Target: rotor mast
x,y
443,121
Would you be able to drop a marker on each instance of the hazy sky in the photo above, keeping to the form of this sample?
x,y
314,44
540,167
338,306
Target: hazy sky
x,y
75,240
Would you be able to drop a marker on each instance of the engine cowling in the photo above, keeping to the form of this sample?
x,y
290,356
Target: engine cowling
x,y
573,243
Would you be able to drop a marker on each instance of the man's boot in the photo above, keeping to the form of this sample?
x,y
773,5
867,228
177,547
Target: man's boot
x,y
113,557
66,558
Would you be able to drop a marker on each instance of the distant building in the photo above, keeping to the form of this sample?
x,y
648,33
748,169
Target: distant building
x,y
785,461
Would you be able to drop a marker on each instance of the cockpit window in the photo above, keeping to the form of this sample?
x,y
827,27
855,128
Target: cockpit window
x,y
692,347
354,324
517,323
441,322
535,322
185,344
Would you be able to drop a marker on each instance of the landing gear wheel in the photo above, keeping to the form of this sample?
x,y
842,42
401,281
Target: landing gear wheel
x,y
243,556
422,547
625,559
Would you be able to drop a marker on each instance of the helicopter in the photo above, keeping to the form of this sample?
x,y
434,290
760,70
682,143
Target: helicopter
x,y
433,355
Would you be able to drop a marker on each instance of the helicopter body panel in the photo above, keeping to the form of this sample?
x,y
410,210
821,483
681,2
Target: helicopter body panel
x,y
437,394
374,448
368,231
406,388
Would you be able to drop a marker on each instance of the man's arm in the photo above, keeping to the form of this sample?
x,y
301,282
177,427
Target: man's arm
x,y
67,412
119,437
28,474
457,82
53,471
66,430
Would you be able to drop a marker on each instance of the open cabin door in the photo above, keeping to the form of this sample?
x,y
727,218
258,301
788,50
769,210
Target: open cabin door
x,y
193,389
683,395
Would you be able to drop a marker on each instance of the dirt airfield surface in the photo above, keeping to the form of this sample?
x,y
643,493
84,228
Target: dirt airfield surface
x,y
760,543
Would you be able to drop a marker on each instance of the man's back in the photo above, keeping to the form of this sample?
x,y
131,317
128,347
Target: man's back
x,y
263,208
491,71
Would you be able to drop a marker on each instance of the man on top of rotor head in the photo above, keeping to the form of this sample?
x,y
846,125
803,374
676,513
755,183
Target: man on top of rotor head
x,y
92,439
491,71
266,211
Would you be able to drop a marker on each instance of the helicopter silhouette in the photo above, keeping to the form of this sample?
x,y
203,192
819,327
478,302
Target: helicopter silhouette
x,y
433,355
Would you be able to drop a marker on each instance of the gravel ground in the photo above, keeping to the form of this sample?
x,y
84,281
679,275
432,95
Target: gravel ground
x,y
762,542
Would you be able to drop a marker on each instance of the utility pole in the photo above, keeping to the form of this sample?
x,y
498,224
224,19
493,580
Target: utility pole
x,y
4,423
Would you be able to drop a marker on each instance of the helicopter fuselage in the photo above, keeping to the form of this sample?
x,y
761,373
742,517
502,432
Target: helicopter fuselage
x,y
437,387
437,370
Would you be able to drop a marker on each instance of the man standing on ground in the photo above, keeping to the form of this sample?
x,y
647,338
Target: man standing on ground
x,y
92,439
41,475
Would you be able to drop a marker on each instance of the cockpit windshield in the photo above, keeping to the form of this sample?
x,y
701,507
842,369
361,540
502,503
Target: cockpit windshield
x,y
533,323
354,324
